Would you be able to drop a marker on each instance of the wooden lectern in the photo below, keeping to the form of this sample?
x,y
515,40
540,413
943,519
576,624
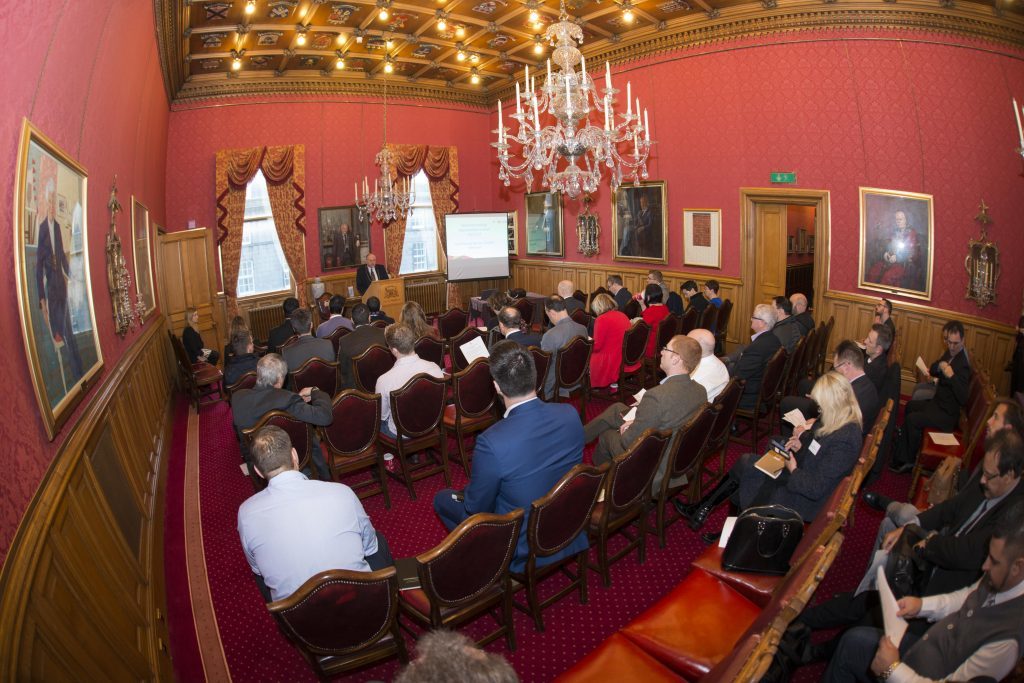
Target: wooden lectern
x,y
391,293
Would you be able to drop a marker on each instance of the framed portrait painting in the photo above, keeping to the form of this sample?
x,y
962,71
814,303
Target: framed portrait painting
x,y
702,237
51,264
896,242
544,233
639,223
344,237
513,233
141,241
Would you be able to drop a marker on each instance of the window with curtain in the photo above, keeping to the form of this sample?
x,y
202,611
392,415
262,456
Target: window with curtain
x,y
419,252
262,268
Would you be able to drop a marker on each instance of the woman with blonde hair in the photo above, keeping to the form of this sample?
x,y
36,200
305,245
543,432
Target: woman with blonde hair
x,y
414,317
610,326
819,458
193,341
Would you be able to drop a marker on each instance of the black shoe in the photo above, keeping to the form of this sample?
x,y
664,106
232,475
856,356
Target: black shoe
x,y
683,509
711,537
905,468
877,500
696,519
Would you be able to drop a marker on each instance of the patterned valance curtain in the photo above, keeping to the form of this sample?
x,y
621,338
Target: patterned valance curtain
x,y
285,171
441,165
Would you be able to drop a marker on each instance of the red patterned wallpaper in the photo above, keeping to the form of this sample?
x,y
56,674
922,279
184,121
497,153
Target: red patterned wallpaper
x,y
87,74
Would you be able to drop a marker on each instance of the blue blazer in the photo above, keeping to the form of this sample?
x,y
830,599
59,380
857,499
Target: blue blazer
x,y
519,460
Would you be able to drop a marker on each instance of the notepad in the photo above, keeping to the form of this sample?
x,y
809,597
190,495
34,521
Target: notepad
x,y
474,349
795,418
922,367
771,463
943,439
895,625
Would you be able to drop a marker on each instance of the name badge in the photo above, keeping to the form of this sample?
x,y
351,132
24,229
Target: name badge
x,y
814,447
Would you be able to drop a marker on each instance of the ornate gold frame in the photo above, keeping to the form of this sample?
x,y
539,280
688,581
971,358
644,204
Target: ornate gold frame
x,y
629,187
559,227
907,198
149,258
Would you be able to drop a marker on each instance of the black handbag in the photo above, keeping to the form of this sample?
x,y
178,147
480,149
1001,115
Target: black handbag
x,y
763,540
905,570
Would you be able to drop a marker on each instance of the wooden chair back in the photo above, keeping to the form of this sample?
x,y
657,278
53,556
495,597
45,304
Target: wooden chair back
x,y
430,348
458,358
542,361
691,316
368,366
319,373
451,322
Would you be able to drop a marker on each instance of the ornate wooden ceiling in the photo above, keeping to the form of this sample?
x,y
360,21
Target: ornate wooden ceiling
x,y
231,47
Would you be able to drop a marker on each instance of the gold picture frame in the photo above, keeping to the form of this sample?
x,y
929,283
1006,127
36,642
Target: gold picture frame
x,y
702,238
897,237
545,235
51,265
637,214
142,257
513,233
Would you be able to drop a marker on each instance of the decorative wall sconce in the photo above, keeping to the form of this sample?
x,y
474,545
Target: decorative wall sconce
x,y
588,231
982,263
126,316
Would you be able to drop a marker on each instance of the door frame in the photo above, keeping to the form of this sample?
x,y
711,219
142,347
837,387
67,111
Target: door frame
x,y
750,197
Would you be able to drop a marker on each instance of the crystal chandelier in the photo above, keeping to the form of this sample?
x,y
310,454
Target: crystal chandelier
x,y
389,201
569,97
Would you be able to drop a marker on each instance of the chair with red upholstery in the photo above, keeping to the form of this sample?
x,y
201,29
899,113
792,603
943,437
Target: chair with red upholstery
x,y
368,366
685,459
351,441
451,322
526,311
300,433
572,372
467,335
593,295
343,620
708,317
823,346
200,379
472,409
316,372
580,316
618,659
627,492
726,403
688,323
417,409
335,337
811,353
761,416
632,369
323,307
542,361
791,374
430,348
722,325
382,324
246,381
632,309
555,522
668,327
288,342
466,576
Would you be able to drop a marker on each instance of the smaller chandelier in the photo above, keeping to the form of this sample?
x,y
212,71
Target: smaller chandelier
x,y
390,201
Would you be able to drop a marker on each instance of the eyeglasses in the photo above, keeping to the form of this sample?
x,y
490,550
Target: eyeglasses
x,y
754,317
839,365
665,348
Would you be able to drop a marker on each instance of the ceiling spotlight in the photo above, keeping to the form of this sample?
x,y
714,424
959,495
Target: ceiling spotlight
x,y
534,16
236,64
474,58
340,64
388,67
474,79
383,14
460,32
538,47
250,6
627,13
300,39
359,37
441,24
461,56
388,43
341,39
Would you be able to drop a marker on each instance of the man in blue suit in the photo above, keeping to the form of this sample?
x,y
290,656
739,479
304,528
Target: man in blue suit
x,y
519,459
52,272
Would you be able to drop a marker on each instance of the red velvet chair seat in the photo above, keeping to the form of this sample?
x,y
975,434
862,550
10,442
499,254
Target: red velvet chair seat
x,y
757,588
417,601
695,626
618,659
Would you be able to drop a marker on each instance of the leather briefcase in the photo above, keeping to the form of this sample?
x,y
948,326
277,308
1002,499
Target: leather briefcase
x,y
763,540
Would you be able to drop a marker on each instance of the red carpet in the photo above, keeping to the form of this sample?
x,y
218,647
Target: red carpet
x,y
253,648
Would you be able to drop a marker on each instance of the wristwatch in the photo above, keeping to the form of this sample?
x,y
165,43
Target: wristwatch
x,y
884,676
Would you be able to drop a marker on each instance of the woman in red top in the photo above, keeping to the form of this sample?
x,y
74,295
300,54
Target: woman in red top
x,y
610,326
654,311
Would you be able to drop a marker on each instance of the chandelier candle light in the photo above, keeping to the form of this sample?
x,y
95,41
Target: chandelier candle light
x,y
388,201
569,97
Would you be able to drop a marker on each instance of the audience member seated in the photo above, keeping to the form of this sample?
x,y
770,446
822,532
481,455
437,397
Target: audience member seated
x,y
848,361
787,329
610,326
565,290
563,329
800,314
654,311
656,277
954,536
296,528
694,299
665,407
748,362
974,633
356,342
519,458
711,373
283,332
193,342
242,360
516,293
711,288
445,655
369,273
414,317
951,376
496,302
237,325
336,305
621,295
307,346
812,472
309,405
883,315
401,340
373,303
876,350
510,323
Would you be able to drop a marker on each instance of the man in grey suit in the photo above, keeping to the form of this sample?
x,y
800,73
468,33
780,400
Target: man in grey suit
x,y
356,342
309,405
787,329
666,407
563,330
307,346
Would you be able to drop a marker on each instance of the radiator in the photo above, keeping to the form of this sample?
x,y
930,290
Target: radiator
x,y
428,293
263,320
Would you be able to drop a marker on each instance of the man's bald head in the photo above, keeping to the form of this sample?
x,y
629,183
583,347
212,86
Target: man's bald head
x,y
566,288
705,339
799,302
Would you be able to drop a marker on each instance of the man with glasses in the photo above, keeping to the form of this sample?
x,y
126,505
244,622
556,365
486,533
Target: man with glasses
x,y
951,376
667,406
748,363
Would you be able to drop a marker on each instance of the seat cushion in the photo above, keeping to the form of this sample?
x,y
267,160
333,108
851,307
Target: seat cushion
x,y
755,587
450,418
416,602
695,626
618,659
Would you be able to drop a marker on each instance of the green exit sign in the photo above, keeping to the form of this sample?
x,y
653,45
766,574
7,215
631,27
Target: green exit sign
x,y
785,178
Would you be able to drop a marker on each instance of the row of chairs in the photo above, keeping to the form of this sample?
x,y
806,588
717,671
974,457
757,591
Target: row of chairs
x,y
201,380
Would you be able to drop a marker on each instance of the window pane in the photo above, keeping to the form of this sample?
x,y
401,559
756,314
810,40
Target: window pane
x,y
263,267
419,252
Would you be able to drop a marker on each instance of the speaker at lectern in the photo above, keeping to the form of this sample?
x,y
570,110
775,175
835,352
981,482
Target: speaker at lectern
x,y
391,293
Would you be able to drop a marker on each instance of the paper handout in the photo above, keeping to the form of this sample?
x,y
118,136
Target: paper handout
x,y
922,367
630,416
474,349
895,626
943,439
795,418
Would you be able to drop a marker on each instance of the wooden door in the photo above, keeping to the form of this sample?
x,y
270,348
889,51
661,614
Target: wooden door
x,y
770,248
188,280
